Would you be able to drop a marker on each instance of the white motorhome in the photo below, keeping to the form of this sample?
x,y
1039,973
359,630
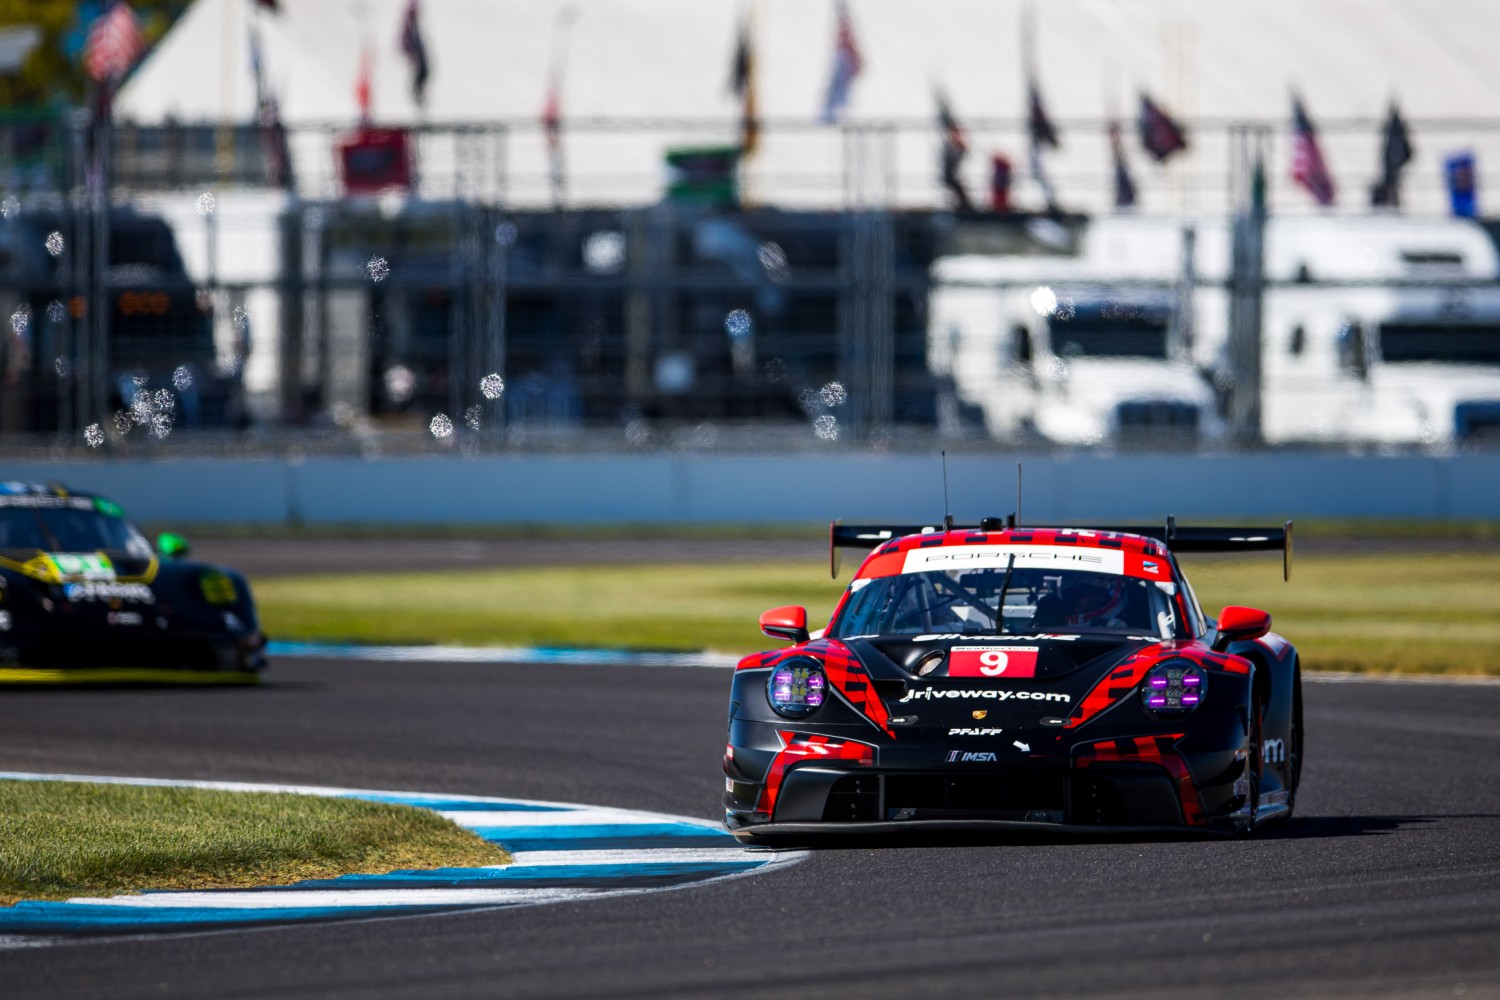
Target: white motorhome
x,y
1376,330
1079,351
1381,331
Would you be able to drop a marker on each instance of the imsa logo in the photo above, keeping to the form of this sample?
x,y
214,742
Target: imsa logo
x,y
962,757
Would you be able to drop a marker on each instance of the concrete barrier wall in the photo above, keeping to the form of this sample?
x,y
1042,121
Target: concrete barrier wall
x,y
809,488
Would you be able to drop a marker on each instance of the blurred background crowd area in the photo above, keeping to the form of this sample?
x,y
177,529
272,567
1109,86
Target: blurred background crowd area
x,y
395,225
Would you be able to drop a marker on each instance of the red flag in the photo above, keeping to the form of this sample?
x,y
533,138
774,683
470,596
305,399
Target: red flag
x,y
114,43
1308,168
362,86
1160,135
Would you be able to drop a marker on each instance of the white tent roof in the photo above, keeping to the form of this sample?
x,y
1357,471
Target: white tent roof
x,y
669,60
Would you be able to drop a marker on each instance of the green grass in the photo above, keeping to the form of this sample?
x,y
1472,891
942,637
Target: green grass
x,y
65,838
1410,613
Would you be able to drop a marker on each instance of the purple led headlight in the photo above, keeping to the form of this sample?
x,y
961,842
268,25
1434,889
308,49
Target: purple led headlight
x,y
1174,688
797,687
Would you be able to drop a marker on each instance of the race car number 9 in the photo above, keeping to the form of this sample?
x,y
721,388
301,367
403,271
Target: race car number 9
x,y
992,661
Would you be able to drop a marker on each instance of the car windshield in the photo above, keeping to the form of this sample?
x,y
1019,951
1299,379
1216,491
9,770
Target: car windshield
x,y
1450,343
1110,334
968,602
63,529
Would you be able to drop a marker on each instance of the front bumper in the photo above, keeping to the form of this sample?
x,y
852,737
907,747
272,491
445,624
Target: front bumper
x,y
84,656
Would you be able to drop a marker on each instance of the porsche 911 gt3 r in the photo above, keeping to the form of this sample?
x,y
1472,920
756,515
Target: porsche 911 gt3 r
x,y
83,596
1042,678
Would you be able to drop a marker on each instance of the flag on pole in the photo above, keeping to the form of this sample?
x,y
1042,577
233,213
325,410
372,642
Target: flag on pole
x,y
1160,135
114,43
955,147
742,83
1463,193
1308,168
846,66
1395,154
268,112
415,51
362,85
1040,127
552,103
1124,184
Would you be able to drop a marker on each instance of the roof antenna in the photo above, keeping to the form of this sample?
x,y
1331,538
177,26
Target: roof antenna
x,y
1018,492
948,512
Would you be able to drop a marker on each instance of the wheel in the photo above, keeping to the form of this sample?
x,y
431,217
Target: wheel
x,y
1255,762
1294,751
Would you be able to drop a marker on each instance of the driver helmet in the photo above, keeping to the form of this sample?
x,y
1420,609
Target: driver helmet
x,y
1089,602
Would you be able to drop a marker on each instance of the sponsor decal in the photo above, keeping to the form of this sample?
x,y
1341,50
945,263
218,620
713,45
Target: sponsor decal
x,y
232,622
124,618
953,557
90,565
1023,747
134,593
979,713
992,661
1148,566
958,731
963,757
1038,637
1273,752
902,720
974,694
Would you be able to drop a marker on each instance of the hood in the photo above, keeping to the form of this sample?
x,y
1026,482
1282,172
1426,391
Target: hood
x,y
1103,382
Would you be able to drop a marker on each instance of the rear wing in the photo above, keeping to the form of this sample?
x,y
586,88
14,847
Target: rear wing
x,y
1171,534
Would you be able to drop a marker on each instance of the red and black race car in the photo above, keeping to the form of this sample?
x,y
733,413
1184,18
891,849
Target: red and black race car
x,y
1036,678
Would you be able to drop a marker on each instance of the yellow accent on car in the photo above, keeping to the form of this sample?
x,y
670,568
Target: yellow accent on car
x,y
124,675
217,588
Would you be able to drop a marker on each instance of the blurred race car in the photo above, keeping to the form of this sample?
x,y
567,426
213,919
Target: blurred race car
x,y
1040,678
83,597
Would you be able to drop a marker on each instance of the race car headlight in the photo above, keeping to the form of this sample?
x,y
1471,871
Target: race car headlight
x,y
797,687
1174,688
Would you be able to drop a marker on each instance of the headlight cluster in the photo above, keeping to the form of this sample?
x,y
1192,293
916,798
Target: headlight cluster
x,y
1174,688
797,687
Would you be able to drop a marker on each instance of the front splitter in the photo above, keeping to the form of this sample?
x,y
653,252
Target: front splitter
x,y
124,675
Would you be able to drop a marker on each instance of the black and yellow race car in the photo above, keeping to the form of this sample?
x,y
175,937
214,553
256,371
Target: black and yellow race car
x,y
85,597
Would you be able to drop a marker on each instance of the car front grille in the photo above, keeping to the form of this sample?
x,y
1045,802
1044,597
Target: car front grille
x,y
1082,799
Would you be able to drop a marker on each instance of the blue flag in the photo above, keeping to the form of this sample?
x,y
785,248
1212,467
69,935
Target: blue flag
x,y
1462,190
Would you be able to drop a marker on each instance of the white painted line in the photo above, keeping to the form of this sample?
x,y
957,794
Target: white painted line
x,y
647,856
272,899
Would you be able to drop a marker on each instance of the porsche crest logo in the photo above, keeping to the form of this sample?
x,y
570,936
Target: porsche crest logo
x,y
979,713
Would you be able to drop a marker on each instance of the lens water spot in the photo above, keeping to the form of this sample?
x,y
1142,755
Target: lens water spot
x,y
240,318
492,385
20,320
505,234
161,425
378,268
808,400
206,203
163,400
773,261
441,426
637,433
182,378
139,381
1058,369
775,370
123,421
1066,309
400,383
1044,301
56,312
826,427
61,366
604,251
474,417
93,435
738,324
55,243
10,207
833,394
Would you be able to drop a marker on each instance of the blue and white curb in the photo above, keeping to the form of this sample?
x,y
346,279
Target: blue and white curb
x,y
562,852
498,654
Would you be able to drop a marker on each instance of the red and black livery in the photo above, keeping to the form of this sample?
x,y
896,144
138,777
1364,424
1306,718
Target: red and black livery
x,y
1038,678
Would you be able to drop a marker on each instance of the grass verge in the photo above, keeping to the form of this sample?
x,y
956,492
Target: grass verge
x,y
1423,612
64,838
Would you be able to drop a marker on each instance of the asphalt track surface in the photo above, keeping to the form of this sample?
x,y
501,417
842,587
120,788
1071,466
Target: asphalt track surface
x,y
1387,883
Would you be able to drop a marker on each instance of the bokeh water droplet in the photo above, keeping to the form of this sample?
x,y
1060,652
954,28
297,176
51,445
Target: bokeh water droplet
x,y
505,234
56,312
738,324
123,421
492,385
826,427
833,394
10,207
20,320
378,268
604,251
93,435
400,383
1044,301
161,425
55,243
775,370
441,426
474,417
206,203
61,366
182,378
773,261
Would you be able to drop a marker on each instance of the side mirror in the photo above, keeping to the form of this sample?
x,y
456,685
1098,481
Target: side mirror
x,y
173,546
1236,624
789,623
